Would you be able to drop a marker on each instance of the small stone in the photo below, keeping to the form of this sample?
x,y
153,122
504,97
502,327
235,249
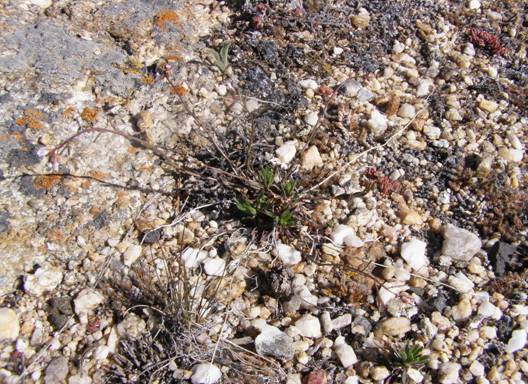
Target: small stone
x,y
474,4
80,379
432,132
221,90
449,373
500,256
309,326
311,118
131,254
311,159
477,369
460,244
192,257
342,321
214,266
56,371
511,155
273,342
488,106
287,254
361,20
41,3
252,105
350,88
286,152
326,322
365,94
414,374
379,373
411,217
377,123
205,373
344,352
43,280
309,84
462,311
423,88
517,341
337,51
131,327
101,353
413,252
343,234
394,326
317,376
9,324
486,309
407,111
461,282
86,301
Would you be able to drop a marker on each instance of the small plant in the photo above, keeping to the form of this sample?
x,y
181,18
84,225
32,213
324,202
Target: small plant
x,y
220,58
271,205
409,356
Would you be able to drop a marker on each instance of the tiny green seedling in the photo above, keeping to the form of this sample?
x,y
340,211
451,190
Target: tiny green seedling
x,y
220,58
267,176
409,356
288,187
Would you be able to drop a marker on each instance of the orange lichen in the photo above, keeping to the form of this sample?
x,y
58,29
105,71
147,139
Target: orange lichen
x,y
68,112
89,114
32,118
164,17
179,90
46,182
98,175
148,79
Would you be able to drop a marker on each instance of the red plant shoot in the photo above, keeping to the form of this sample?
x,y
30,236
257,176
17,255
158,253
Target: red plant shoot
x,y
486,40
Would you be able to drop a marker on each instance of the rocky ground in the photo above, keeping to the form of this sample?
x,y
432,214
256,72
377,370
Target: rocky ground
x,y
263,192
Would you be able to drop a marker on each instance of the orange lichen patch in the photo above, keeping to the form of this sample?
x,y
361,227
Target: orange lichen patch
x,y
148,79
32,118
86,184
98,175
166,16
89,114
68,112
94,210
179,90
122,199
46,182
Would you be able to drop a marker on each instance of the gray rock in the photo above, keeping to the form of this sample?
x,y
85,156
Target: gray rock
x,y
273,342
460,244
56,371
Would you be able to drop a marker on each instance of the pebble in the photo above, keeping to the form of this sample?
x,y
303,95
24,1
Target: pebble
x,y
309,84
414,374
56,371
86,301
288,255
309,326
343,234
461,282
394,326
460,244
449,373
361,20
273,342
407,111
9,324
214,266
344,352
365,94
377,123
517,341
476,369
488,106
41,3
342,321
486,309
423,88
379,373
192,257
311,159
474,4
131,254
511,155
221,89
43,280
351,88
286,152
132,326
79,379
311,118
462,311
252,105
413,252
205,373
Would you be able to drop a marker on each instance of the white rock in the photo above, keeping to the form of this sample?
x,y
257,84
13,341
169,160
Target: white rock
x,y
326,322
337,51
461,282
311,159
398,47
294,378
342,321
413,252
377,123
311,118
101,353
43,280
273,342
132,326
476,369
474,4
414,374
131,254
287,254
390,290
511,154
214,266
394,326
462,311
192,257
343,234
9,324
423,88
80,379
517,341
432,132
344,352
352,380
309,84
449,373
469,49
286,152
365,94
252,105
205,373
309,326
486,309
86,301
41,3
351,87
407,111
460,244
221,90
379,373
